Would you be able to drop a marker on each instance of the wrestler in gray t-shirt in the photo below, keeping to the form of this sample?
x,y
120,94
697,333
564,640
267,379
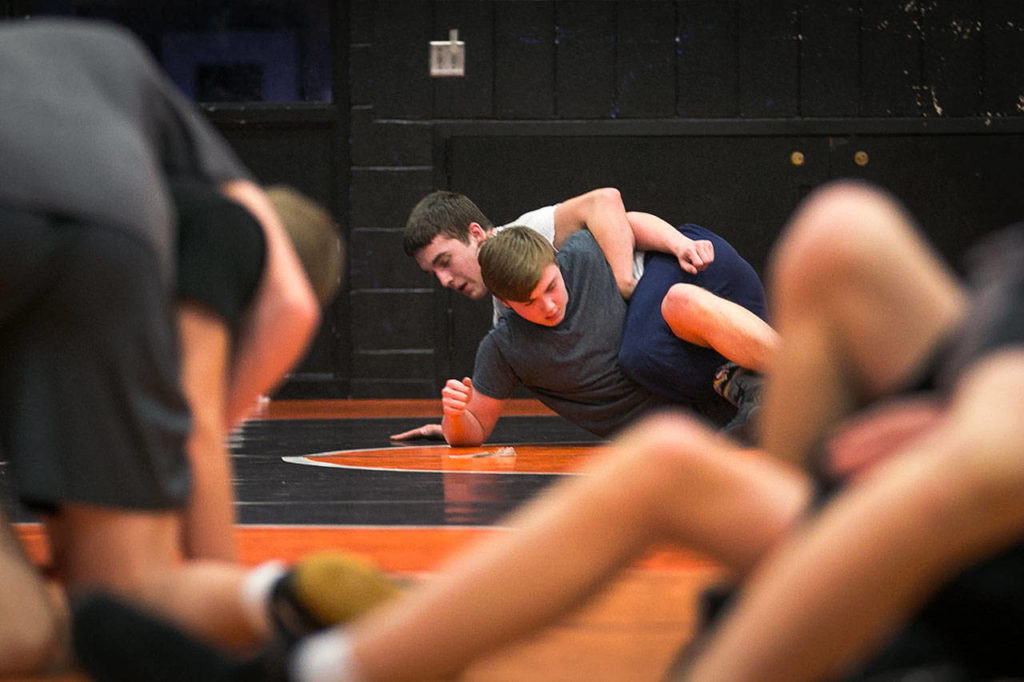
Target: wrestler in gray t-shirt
x,y
572,367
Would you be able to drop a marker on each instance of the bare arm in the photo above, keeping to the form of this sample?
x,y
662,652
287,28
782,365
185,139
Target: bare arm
x,y
654,234
603,213
469,416
281,319
209,531
945,501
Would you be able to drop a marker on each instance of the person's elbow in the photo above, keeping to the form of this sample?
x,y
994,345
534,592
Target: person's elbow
x,y
463,440
607,198
459,434
302,310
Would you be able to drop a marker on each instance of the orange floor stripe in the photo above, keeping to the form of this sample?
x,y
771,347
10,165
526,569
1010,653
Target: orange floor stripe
x,y
396,550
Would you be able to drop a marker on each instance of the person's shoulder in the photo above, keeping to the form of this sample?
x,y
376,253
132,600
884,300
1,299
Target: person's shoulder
x,y
76,30
102,48
580,244
540,220
493,347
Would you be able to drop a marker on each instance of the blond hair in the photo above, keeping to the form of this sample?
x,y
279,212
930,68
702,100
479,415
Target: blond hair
x,y
512,262
314,236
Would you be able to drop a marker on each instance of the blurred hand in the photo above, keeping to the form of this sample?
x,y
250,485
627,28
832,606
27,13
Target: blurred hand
x,y
875,434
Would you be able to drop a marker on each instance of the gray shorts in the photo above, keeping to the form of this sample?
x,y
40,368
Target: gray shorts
x,y
91,408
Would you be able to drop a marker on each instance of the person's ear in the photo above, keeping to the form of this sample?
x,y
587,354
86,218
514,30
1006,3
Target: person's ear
x,y
476,232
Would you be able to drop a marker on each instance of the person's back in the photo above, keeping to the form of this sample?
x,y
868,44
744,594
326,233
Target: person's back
x,y
571,367
59,78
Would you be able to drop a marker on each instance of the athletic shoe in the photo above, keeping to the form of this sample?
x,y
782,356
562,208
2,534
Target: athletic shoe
x,y
326,589
738,384
741,387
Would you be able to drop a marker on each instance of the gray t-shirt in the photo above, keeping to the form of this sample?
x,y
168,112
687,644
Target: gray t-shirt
x,y
91,128
572,367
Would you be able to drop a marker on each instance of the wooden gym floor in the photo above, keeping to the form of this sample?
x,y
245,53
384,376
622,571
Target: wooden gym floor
x,y
315,475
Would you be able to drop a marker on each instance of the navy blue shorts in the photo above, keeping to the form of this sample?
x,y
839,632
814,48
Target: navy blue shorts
x,y
660,361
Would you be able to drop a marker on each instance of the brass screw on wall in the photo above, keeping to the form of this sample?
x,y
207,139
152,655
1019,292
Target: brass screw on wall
x,y
797,158
861,158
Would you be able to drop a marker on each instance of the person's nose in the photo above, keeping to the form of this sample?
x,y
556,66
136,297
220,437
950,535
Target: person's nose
x,y
445,278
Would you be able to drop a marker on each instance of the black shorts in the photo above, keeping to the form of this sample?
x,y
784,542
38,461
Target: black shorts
x,y
995,316
975,623
221,250
91,409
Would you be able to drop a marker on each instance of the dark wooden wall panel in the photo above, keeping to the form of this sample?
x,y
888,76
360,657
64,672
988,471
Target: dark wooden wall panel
x,y
768,59
402,86
524,59
361,86
829,58
378,373
1003,72
380,262
952,58
584,59
361,22
958,187
890,58
471,96
708,67
392,320
389,143
383,197
645,59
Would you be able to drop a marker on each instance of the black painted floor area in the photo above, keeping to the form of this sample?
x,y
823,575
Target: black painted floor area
x,y
271,491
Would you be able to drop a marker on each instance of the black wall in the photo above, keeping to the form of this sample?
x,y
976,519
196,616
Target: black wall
x,y
697,110
693,109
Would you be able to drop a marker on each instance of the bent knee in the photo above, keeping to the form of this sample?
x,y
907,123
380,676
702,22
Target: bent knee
x,y
30,644
686,308
685,300
670,448
841,223
842,229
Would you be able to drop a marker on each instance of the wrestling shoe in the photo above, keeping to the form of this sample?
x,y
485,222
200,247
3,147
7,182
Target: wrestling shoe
x,y
737,384
741,387
326,589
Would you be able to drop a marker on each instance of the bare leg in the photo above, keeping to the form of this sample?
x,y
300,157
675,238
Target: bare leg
x,y
137,555
33,619
859,302
670,479
944,501
700,317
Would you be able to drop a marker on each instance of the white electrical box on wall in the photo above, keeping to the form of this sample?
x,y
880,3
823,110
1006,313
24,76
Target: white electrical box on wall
x,y
448,57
